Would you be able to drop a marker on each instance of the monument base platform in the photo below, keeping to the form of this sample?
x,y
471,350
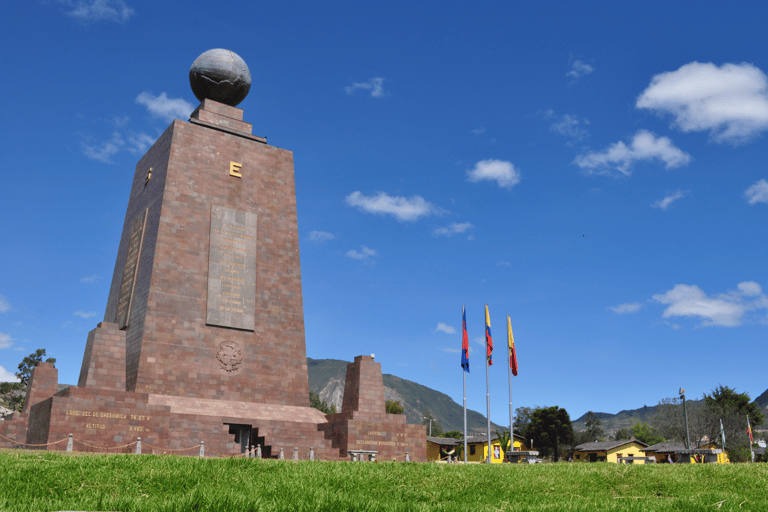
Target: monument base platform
x,y
105,420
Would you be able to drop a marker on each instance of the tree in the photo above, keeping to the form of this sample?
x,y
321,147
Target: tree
x,y
550,428
503,441
669,421
394,407
646,433
314,401
622,434
455,434
523,418
435,427
725,404
594,427
29,363
12,394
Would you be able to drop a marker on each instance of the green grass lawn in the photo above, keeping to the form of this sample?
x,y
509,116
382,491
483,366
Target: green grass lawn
x,y
43,481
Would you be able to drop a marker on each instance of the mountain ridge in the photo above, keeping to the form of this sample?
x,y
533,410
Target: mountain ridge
x,y
328,376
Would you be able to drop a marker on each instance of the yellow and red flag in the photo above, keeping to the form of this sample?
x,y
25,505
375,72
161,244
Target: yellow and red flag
x,y
511,342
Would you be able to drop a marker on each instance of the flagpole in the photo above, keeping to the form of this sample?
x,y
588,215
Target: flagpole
x,y
749,430
488,406
487,389
509,374
464,370
464,375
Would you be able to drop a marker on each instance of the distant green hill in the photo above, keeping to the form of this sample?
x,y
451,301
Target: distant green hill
x,y
613,422
327,378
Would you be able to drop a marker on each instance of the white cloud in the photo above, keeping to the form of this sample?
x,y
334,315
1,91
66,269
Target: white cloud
x,y
725,309
757,193
375,85
454,350
478,131
139,143
630,307
568,125
98,10
90,279
320,236
404,209
165,108
579,69
503,172
106,150
667,201
503,263
730,101
6,376
447,329
452,229
621,157
85,314
121,121
5,340
4,305
364,253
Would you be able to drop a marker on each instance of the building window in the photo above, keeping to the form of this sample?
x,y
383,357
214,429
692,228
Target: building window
x,y
472,449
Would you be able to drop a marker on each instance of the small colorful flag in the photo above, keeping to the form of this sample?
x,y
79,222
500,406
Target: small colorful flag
x,y
464,341
488,339
749,431
511,342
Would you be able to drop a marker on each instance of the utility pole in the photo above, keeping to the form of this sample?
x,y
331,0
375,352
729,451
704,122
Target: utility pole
x,y
685,411
430,425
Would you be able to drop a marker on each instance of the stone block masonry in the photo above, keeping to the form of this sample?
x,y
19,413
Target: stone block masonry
x,y
198,169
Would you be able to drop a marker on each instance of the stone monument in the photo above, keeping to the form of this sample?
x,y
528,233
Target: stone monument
x,y
203,334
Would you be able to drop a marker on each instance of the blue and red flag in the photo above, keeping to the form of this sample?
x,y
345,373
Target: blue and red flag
x,y
464,341
488,339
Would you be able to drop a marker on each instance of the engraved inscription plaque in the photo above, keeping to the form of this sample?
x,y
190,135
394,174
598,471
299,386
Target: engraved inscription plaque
x,y
232,269
135,242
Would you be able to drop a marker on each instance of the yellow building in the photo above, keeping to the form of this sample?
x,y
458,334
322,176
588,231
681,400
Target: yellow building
x,y
477,447
610,451
670,451
439,448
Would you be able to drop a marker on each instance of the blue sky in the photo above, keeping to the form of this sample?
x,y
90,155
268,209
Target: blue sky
x,y
595,170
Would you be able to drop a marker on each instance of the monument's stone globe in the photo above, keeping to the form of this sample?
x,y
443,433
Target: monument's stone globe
x,y
220,75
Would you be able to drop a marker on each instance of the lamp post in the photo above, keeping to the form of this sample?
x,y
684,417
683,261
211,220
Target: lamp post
x,y
685,411
430,425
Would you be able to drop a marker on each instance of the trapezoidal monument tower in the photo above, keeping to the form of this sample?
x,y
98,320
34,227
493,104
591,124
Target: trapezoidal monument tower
x,y
203,334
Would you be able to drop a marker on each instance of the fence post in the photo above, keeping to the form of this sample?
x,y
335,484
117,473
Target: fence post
x,y
295,453
138,446
258,451
282,455
69,443
311,453
407,457
202,448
